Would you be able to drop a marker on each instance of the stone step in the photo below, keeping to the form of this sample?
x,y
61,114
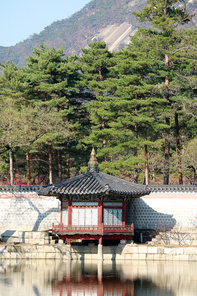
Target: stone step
x,y
10,236
30,237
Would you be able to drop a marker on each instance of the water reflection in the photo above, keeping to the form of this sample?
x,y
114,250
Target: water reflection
x,y
124,278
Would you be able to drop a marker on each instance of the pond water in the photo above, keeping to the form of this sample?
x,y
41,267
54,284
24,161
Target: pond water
x,y
92,278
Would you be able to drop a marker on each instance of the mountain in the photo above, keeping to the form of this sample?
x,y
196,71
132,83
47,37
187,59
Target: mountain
x,y
108,20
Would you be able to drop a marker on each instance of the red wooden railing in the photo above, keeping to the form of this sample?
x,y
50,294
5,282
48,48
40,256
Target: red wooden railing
x,y
101,229
119,228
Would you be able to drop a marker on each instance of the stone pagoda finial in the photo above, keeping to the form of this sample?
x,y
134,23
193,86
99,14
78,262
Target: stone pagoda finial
x,y
93,163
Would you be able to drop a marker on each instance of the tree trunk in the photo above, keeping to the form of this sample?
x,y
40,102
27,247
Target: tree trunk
x,y
50,164
28,167
167,141
59,155
11,165
146,164
68,154
135,149
102,127
68,160
178,149
103,122
135,175
68,165
167,155
194,170
59,165
154,175
104,141
166,60
100,74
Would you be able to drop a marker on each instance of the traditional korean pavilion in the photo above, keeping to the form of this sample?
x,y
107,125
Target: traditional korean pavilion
x,y
93,205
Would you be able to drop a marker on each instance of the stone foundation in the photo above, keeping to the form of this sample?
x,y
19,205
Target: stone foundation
x,y
127,252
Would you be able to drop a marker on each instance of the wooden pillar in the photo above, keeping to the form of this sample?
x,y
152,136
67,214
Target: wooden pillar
x,y
100,213
123,291
61,222
68,240
68,249
132,289
100,271
61,289
100,289
100,249
124,213
69,213
68,271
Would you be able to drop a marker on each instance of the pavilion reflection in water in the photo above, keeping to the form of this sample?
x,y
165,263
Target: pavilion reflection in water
x,y
90,284
96,277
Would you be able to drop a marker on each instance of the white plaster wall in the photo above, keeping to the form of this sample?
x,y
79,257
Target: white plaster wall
x,y
29,213
163,211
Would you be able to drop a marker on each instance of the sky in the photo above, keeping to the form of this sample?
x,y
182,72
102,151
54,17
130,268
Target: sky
x,y
22,18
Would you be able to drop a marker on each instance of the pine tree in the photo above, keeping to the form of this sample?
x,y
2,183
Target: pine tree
x,y
9,89
166,18
127,103
94,65
21,126
51,79
15,88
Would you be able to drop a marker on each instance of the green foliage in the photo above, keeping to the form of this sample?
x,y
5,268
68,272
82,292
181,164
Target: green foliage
x,y
126,102
164,15
117,102
170,44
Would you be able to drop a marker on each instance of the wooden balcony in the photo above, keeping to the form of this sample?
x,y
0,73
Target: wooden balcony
x,y
93,229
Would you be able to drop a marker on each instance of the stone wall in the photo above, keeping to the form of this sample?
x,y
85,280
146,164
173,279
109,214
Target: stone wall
x,y
28,211
23,209
161,210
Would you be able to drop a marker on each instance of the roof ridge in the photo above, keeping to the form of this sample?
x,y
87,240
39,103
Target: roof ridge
x,y
122,180
73,179
171,188
101,182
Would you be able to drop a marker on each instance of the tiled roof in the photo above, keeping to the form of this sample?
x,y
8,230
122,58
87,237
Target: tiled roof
x,y
95,183
45,188
19,188
173,188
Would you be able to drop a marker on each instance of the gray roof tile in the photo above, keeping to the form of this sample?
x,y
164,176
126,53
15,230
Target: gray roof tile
x,y
95,183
